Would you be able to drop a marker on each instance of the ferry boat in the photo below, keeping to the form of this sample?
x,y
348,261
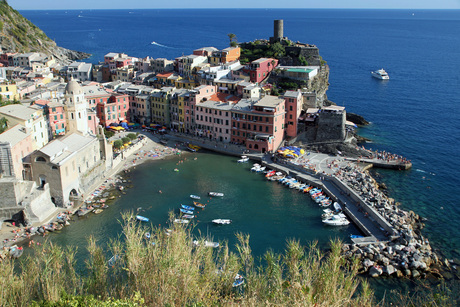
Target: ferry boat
x,y
380,74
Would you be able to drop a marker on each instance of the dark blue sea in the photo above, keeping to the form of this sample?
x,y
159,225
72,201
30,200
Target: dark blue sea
x,y
415,114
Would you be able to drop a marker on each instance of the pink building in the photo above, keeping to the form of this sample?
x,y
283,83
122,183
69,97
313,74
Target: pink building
x,y
15,144
261,68
55,114
197,95
113,110
213,117
293,105
259,124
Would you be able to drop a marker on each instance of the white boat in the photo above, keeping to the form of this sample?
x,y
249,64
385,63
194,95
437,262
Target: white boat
x,y
142,218
181,221
222,221
195,196
337,206
337,220
216,194
243,159
380,74
206,243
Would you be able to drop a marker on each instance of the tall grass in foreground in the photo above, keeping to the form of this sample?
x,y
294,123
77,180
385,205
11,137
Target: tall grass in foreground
x,y
174,272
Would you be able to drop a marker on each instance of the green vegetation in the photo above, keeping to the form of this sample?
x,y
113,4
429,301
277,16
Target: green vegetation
x,y
232,38
174,272
132,136
3,124
117,144
125,140
108,133
303,61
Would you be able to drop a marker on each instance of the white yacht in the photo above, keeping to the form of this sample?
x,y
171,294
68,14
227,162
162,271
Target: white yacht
x,y
380,74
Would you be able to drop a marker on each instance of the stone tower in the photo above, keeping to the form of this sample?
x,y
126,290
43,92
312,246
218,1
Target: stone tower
x,y
75,107
278,29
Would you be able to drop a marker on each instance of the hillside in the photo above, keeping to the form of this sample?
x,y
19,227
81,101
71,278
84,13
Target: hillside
x,y
18,34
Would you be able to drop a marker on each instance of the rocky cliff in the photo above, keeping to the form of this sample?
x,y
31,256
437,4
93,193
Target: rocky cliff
x,y
18,34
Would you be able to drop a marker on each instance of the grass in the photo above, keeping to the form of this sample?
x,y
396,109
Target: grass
x,y
174,272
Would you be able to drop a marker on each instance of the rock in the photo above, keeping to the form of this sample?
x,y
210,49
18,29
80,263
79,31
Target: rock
x,y
367,262
407,272
389,269
416,264
415,274
399,274
375,271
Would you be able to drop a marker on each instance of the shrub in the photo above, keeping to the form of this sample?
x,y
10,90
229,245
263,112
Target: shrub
x,y
117,144
132,136
125,140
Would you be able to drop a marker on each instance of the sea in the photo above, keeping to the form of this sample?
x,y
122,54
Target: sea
x,y
415,114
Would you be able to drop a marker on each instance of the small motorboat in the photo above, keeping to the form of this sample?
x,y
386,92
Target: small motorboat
x,y
195,196
181,221
142,218
216,194
206,243
337,207
188,216
356,236
270,173
97,211
239,280
187,207
199,205
186,211
337,220
243,159
222,221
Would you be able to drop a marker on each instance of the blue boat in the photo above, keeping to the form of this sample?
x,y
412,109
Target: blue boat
x,y
186,211
142,218
356,236
187,207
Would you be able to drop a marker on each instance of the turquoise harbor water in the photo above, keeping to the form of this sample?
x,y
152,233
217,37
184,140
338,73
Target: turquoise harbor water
x,y
415,114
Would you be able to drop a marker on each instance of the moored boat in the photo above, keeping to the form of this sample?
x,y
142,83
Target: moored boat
x,y
217,194
337,220
188,216
239,280
243,159
199,205
206,243
195,196
187,207
222,221
142,218
181,221
186,211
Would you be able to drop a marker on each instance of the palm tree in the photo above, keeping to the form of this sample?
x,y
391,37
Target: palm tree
x,y
232,37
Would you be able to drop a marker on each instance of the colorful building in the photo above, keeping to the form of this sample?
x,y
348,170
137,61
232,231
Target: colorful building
x,y
260,69
197,95
113,110
293,105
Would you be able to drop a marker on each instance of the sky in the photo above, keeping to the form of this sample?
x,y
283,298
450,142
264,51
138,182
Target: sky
x,y
180,4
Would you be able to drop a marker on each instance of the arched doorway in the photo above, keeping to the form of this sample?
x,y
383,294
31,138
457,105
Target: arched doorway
x,y
42,181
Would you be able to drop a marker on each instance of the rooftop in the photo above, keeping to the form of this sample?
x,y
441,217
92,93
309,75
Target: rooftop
x,y
14,135
269,102
18,111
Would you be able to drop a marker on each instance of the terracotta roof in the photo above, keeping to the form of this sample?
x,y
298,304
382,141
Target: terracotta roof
x,y
165,75
223,97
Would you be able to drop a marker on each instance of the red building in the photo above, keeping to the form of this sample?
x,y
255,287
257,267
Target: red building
x,y
55,114
293,105
112,109
260,69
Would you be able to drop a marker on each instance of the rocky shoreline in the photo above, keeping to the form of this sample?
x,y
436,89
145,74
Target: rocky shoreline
x,y
410,255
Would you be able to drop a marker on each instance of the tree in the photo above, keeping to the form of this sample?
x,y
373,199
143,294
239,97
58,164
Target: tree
x,y
3,124
131,136
109,133
278,50
125,140
232,38
117,144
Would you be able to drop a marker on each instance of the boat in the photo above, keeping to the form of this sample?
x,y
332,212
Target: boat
x,y
187,207
82,212
16,252
261,169
186,211
181,221
199,205
337,207
380,74
270,173
193,148
147,235
239,280
206,243
337,220
222,221
142,218
113,260
243,159
356,236
97,211
216,194
176,170
188,216
195,196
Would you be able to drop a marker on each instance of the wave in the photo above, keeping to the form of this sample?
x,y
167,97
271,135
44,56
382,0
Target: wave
x,y
159,45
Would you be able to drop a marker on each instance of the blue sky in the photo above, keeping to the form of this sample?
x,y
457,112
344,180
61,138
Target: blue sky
x,y
152,4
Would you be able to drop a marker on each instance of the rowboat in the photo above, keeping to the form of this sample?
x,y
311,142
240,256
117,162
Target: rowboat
x,y
337,207
142,218
195,196
206,243
187,207
199,205
238,281
181,221
222,221
97,211
216,194
270,173
188,216
186,211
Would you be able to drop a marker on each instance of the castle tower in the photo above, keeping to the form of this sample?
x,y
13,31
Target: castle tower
x,y
75,107
278,29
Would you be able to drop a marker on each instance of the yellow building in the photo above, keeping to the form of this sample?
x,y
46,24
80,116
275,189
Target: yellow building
x,y
9,91
160,102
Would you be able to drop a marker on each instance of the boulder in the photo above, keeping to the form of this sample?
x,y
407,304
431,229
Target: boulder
x,y
415,274
389,269
399,274
375,271
368,263
407,272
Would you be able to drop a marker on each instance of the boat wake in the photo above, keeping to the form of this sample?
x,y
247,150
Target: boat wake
x,y
159,45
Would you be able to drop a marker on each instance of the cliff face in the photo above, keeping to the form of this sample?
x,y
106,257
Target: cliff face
x,y
18,34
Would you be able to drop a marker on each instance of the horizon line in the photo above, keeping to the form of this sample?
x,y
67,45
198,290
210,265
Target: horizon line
x,y
245,8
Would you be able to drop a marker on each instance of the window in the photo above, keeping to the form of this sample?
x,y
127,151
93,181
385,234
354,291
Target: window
x,y
55,117
62,116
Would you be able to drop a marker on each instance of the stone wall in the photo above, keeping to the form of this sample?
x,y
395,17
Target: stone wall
x,y
38,205
331,127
